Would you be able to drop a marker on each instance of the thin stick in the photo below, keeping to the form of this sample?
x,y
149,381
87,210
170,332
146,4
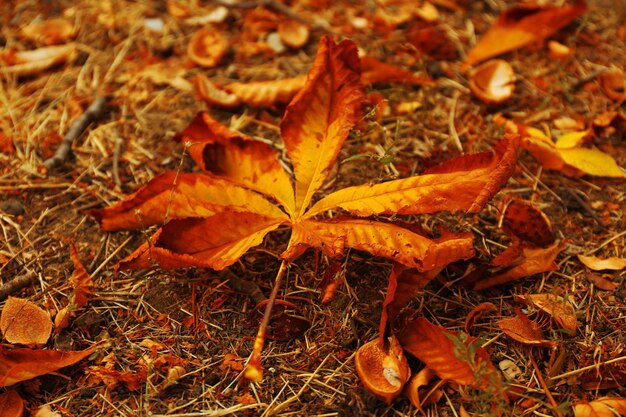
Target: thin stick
x,y
254,369
16,284
94,112
546,390
451,127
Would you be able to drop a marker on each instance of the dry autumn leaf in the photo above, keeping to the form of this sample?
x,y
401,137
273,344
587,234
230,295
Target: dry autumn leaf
x,y
597,264
22,364
557,307
419,390
49,32
293,34
602,407
375,71
525,221
383,368
570,158
433,345
82,285
11,404
245,187
532,260
493,82
520,26
23,322
523,330
207,47
31,62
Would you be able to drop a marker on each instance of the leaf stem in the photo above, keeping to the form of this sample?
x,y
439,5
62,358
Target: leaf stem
x,y
254,369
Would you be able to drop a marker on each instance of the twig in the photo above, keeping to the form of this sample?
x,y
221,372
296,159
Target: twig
x,y
94,112
117,151
451,127
16,284
546,390
583,204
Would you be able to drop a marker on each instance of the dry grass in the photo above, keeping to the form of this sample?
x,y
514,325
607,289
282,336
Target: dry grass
x,y
195,317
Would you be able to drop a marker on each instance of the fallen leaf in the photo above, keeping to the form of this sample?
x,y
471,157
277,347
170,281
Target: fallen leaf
x,y
11,404
559,51
232,361
532,261
478,312
375,71
31,62
573,160
419,392
557,307
613,84
267,93
525,221
213,95
597,264
25,323
207,47
493,82
46,411
382,368
602,282
521,329
601,407
22,364
522,25
432,345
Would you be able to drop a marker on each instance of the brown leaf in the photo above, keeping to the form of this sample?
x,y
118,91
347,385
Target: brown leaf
x,y
613,84
31,62
522,25
319,118
557,307
532,261
523,330
527,222
478,312
207,47
597,264
431,345
382,368
375,71
49,32
213,95
601,407
267,93
11,404
24,322
22,364
601,282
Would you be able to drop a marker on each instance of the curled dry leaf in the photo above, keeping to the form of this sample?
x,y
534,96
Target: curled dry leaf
x,y
31,62
213,95
560,309
432,345
493,82
293,34
419,392
207,47
22,364
523,330
531,261
49,32
601,407
613,84
597,264
267,93
525,221
601,282
522,25
11,404
478,312
382,368
25,323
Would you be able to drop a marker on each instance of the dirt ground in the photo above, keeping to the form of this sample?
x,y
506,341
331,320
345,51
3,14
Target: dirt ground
x,y
155,320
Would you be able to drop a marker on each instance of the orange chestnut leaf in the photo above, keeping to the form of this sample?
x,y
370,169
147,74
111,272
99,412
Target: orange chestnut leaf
x,y
11,404
375,71
22,364
267,93
521,329
520,26
207,47
432,345
602,407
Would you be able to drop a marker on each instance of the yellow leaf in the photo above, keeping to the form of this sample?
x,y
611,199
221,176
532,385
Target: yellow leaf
x,y
602,407
464,183
195,242
249,163
572,139
318,120
592,162
171,196
381,239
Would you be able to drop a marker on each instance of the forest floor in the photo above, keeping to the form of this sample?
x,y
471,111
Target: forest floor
x,y
154,320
